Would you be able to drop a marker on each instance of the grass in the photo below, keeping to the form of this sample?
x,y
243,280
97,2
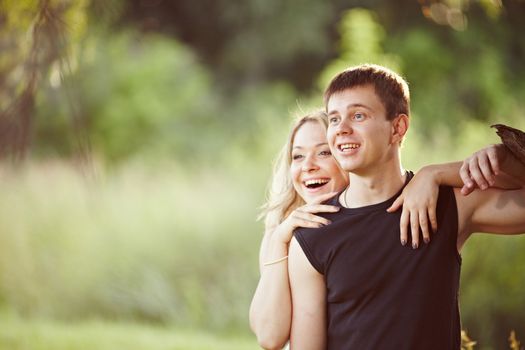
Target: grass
x,y
135,244
18,334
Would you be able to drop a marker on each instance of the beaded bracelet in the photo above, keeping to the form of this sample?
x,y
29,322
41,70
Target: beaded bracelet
x,y
275,261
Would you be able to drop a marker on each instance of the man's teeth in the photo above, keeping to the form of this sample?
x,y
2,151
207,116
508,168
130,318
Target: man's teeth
x,y
348,145
315,182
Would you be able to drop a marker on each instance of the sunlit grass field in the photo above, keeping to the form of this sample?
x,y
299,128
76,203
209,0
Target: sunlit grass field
x,y
103,335
131,245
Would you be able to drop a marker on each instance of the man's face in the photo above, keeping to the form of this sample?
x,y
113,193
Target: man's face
x,y
359,134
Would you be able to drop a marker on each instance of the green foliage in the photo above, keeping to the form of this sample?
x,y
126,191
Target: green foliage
x,y
134,93
361,42
149,97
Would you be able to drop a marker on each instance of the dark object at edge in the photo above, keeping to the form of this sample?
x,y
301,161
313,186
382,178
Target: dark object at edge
x,y
513,139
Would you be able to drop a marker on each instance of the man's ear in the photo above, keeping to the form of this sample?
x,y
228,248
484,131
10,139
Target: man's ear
x,y
400,127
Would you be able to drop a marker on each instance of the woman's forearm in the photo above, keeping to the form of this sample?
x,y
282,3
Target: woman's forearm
x,y
444,174
271,307
510,175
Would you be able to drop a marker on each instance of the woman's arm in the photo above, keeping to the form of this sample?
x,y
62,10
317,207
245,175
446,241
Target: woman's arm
x,y
309,302
492,166
270,310
271,307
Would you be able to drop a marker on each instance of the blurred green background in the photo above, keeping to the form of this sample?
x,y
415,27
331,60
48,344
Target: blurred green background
x,y
137,139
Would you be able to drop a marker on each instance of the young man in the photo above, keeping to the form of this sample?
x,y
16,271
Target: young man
x,y
351,287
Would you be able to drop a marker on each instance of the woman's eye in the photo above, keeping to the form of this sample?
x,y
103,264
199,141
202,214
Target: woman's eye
x,y
325,153
297,156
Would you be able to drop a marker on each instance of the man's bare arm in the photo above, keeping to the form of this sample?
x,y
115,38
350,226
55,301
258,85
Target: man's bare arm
x,y
308,290
491,211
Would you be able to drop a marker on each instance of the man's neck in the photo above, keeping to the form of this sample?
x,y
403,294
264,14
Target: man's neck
x,y
375,186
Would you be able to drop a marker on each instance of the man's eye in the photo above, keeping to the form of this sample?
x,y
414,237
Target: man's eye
x,y
359,116
333,120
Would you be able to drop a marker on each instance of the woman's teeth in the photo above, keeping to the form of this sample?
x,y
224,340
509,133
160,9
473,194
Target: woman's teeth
x,y
315,183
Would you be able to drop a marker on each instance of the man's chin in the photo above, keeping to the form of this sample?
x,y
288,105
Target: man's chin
x,y
349,167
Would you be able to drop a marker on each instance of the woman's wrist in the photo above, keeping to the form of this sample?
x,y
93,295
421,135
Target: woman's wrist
x,y
276,248
443,174
433,173
281,235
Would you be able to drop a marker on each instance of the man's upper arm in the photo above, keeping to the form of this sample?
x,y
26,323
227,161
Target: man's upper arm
x,y
491,211
309,302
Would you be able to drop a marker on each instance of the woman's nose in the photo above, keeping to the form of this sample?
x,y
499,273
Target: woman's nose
x,y
309,163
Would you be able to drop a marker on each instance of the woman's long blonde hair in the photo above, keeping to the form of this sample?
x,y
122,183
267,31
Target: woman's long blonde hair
x,y
282,198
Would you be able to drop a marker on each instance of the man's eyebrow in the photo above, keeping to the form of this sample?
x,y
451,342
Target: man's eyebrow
x,y
349,106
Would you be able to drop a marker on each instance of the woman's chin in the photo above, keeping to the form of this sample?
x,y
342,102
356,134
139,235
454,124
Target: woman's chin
x,y
311,195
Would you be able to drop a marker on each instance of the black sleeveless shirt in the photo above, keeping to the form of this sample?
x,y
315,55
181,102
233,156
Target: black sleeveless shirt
x,y
380,294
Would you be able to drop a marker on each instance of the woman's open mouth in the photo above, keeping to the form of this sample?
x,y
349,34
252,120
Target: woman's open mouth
x,y
315,184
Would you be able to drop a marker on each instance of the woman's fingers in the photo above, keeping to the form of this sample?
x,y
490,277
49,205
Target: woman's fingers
x,y
414,226
300,222
301,215
318,208
433,218
403,226
423,223
397,204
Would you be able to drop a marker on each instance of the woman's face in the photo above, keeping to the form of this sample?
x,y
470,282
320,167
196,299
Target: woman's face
x,y
313,169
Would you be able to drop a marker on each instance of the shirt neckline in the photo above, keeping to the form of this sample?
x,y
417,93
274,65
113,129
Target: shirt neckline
x,y
372,207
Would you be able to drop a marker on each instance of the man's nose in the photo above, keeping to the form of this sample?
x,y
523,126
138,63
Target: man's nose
x,y
344,128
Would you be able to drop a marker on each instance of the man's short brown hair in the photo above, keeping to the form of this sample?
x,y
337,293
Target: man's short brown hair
x,y
389,86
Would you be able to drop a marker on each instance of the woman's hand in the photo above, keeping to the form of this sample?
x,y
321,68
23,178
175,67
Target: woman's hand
x,y
419,200
304,216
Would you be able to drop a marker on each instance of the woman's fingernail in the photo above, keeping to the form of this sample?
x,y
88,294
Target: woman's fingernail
x,y
426,239
403,242
414,245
